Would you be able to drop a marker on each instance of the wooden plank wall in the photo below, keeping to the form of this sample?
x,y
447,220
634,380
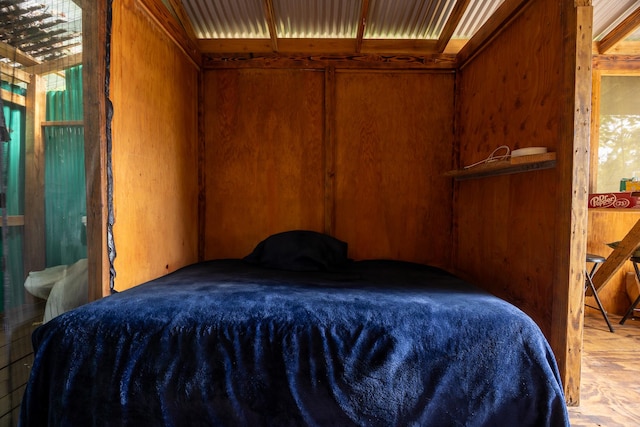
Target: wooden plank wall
x,y
506,224
154,88
520,236
606,226
358,154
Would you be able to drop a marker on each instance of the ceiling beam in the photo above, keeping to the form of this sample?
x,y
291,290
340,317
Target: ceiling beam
x,y
451,25
13,75
55,65
319,46
362,24
620,48
183,18
16,55
270,16
620,32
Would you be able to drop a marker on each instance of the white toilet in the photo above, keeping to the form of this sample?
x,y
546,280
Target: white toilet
x,y
39,283
64,287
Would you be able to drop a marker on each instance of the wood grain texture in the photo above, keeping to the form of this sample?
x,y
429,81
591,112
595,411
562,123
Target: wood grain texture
x,y
95,118
521,236
367,61
264,156
610,390
506,225
155,141
356,154
394,142
616,259
607,226
34,218
573,188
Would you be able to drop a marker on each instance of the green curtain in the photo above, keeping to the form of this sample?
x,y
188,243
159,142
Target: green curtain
x,y
65,195
14,155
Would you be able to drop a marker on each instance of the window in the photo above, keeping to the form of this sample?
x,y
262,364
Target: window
x,y
619,133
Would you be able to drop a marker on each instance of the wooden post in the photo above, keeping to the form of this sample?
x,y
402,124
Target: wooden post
x,y
568,308
95,118
34,232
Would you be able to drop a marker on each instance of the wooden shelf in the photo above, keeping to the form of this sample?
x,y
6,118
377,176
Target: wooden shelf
x,y
13,220
504,167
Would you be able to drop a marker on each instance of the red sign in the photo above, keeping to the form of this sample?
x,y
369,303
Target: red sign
x,y
614,200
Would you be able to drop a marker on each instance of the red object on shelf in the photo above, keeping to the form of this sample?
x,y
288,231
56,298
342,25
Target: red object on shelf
x,y
615,200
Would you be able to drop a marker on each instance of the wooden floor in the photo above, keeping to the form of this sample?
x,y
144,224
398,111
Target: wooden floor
x,y
610,385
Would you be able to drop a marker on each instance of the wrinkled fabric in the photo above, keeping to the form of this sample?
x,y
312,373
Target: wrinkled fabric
x,y
225,343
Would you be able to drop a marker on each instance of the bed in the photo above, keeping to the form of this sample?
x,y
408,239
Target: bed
x,y
295,334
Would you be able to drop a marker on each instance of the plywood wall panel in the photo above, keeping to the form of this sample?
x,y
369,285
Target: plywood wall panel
x,y
264,156
155,160
530,87
281,154
509,97
394,140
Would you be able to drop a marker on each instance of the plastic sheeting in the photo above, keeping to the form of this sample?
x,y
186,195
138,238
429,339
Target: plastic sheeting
x,y
14,179
65,187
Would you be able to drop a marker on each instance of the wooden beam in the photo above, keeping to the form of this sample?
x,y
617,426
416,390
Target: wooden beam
x,y
231,46
14,221
316,46
62,123
631,47
620,32
13,75
158,13
34,230
399,47
618,257
183,18
451,25
567,307
56,65
437,63
362,24
617,63
16,55
327,46
270,16
95,101
8,96
496,23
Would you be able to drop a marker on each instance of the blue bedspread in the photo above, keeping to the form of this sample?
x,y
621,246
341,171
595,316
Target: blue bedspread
x,y
378,343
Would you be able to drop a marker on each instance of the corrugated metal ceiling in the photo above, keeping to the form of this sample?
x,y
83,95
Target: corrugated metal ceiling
x,y
407,19
51,29
386,19
607,14
369,20
227,19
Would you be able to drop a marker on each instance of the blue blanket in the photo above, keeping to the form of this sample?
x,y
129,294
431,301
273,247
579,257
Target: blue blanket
x,y
375,343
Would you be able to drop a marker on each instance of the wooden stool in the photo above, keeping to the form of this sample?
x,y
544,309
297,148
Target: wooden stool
x,y
596,260
635,261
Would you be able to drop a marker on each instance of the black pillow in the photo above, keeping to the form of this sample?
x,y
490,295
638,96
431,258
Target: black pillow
x,y
300,250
